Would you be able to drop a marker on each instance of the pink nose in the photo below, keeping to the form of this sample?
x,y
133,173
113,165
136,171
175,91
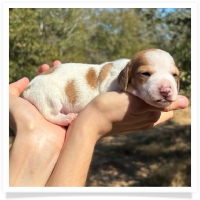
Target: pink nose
x,y
166,91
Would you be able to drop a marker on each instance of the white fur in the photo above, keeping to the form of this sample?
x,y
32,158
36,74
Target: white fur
x,y
47,92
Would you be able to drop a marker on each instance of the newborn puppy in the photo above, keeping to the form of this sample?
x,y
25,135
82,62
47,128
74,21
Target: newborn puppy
x,y
61,92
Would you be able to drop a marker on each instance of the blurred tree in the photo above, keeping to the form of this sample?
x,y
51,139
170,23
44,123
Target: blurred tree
x,y
117,35
179,43
42,35
170,30
96,35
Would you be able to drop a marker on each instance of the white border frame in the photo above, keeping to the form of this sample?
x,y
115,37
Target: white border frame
x,y
97,4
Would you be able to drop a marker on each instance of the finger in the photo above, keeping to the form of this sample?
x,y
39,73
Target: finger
x,y
43,68
181,103
56,63
19,86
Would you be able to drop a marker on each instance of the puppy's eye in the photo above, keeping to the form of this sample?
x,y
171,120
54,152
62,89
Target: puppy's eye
x,y
146,74
175,75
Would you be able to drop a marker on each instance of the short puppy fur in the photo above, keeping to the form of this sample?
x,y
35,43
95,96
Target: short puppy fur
x,y
61,92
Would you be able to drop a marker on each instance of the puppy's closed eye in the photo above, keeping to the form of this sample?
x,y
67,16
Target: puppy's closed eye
x,y
146,74
175,75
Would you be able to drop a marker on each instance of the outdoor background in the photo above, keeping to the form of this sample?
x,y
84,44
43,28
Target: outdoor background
x,y
158,157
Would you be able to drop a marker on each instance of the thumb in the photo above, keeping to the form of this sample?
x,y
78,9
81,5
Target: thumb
x,y
18,87
181,103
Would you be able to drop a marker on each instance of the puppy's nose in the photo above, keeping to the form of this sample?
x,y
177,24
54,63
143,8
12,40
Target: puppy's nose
x,y
166,91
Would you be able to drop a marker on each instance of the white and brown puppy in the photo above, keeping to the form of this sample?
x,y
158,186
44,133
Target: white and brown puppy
x,y
61,92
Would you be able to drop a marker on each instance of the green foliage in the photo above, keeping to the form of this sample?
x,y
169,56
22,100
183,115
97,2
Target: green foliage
x,y
180,28
40,36
171,31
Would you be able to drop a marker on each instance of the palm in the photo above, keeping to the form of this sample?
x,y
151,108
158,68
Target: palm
x,y
25,116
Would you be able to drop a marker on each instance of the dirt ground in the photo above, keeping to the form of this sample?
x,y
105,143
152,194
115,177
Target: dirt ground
x,y
157,157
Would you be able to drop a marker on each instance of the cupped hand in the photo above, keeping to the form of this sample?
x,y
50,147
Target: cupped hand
x,y
37,144
121,113
24,116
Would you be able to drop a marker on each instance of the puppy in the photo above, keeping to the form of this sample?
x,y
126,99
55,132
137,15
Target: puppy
x,y
61,92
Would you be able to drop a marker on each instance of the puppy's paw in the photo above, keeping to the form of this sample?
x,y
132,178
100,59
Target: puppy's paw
x,y
71,117
62,119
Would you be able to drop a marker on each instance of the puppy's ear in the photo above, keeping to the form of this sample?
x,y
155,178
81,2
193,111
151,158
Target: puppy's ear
x,y
123,77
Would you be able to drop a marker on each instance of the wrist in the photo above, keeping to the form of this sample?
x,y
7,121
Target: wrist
x,y
72,167
92,122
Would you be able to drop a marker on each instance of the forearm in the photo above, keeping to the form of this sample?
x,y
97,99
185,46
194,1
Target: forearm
x,y
73,164
74,161
27,165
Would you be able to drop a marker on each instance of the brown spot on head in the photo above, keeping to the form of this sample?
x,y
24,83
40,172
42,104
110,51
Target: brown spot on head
x,y
70,91
138,64
91,78
104,72
49,71
140,59
139,75
127,75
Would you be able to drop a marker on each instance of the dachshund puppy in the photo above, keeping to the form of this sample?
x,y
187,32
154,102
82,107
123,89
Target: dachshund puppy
x,y
61,92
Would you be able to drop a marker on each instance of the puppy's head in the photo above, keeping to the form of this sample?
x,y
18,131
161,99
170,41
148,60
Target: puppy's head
x,y
153,76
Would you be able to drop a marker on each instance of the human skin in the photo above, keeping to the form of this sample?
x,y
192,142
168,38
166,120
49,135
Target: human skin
x,y
45,154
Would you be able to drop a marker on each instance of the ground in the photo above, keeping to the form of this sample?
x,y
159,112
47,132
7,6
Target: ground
x,y
157,157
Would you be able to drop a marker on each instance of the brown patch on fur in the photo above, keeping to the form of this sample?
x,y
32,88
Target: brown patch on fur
x,y
140,64
49,71
104,72
137,78
123,77
70,91
91,78
139,59
128,74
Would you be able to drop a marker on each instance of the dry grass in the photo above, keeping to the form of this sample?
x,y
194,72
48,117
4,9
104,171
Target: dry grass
x,y
158,157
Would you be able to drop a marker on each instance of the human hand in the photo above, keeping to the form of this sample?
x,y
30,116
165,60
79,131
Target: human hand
x,y
38,142
121,113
